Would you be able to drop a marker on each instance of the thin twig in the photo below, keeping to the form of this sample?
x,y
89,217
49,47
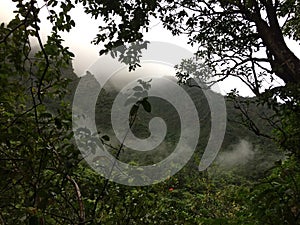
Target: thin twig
x,y
101,195
37,34
79,199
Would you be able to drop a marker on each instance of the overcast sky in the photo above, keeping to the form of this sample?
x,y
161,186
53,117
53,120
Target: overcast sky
x,y
86,54
80,37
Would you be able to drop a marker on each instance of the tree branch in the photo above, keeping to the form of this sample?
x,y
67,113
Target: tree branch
x,y
79,199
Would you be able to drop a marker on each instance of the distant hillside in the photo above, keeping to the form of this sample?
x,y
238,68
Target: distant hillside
x,y
242,151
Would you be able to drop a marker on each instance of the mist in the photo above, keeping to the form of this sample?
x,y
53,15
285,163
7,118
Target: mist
x,y
239,155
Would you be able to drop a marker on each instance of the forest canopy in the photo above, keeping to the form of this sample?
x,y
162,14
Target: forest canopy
x,y
44,179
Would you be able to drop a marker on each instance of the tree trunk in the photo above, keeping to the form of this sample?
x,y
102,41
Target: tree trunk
x,y
283,61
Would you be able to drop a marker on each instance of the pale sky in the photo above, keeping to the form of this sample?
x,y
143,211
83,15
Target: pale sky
x,y
86,54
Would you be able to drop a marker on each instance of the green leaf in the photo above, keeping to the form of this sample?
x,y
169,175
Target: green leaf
x,y
105,137
57,122
134,109
46,115
146,105
137,88
130,101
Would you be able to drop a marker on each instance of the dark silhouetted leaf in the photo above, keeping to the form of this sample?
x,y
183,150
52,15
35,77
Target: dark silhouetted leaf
x,y
130,101
137,88
146,105
105,138
134,110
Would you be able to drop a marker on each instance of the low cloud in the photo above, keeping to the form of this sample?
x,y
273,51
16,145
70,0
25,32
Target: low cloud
x,y
240,154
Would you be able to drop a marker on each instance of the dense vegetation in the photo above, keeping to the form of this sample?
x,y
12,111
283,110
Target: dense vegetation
x,y
44,179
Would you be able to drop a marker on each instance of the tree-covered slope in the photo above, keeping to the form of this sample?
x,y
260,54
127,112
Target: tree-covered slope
x,y
242,151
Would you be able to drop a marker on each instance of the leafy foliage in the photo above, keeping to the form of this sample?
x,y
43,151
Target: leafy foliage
x,y
43,177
